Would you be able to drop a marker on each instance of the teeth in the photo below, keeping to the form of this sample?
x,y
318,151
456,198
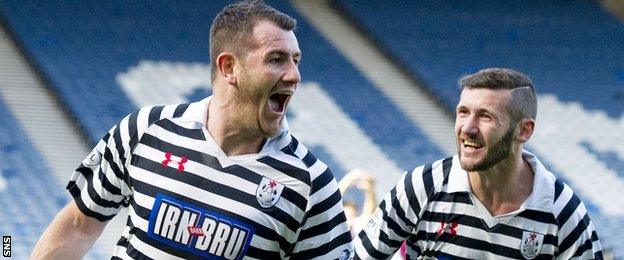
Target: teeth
x,y
471,143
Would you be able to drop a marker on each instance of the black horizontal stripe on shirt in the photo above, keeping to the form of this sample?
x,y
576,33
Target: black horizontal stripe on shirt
x,y
292,171
133,130
370,249
213,187
322,180
135,253
323,249
558,188
74,190
121,153
455,197
141,211
539,216
95,197
154,114
324,205
587,245
393,225
399,210
291,147
427,178
575,234
478,223
260,230
108,156
260,253
172,127
475,244
309,159
107,184
212,162
180,109
568,210
411,194
447,164
411,242
323,228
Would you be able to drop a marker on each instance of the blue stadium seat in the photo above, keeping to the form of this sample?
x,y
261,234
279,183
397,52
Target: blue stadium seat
x,y
570,48
30,196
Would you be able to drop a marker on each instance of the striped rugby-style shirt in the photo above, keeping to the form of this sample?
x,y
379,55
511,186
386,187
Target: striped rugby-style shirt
x,y
188,200
433,210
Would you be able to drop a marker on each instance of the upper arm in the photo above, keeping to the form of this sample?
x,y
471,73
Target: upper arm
x,y
69,236
72,217
324,232
577,237
391,223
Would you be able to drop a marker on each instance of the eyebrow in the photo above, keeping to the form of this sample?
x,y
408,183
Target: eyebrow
x,y
283,53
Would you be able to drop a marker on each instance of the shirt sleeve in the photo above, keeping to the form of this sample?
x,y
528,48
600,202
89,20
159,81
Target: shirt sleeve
x,y
577,237
100,185
324,233
393,221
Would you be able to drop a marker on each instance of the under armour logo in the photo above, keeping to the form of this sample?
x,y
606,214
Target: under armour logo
x,y
449,228
179,161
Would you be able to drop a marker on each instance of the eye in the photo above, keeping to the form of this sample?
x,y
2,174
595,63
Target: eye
x,y
297,61
486,116
461,112
275,60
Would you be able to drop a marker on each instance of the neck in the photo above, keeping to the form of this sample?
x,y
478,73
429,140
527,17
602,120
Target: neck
x,y
505,186
228,132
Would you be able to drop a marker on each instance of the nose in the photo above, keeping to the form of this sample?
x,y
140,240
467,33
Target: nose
x,y
469,126
292,75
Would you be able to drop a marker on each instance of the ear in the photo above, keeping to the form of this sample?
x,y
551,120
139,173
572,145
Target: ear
x,y
225,65
527,126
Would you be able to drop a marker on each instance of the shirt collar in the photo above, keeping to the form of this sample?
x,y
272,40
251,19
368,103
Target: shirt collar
x,y
542,196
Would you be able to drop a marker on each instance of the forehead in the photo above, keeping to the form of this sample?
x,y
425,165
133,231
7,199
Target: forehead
x,y
483,98
269,36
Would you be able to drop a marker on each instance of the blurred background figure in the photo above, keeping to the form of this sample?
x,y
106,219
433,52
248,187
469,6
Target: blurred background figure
x,y
365,182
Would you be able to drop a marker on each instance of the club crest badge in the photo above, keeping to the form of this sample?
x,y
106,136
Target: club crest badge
x,y
531,244
268,192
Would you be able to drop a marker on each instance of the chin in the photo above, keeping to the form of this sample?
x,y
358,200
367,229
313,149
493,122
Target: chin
x,y
470,165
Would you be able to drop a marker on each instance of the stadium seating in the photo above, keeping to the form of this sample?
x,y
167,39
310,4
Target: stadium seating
x,y
30,195
570,48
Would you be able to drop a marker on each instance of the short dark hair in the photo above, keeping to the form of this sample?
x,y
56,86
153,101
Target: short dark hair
x,y
233,26
523,103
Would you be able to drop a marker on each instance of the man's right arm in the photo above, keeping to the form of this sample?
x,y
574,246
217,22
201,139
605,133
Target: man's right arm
x,y
393,221
69,236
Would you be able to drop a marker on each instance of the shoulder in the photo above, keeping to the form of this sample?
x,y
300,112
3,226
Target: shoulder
x,y
293,152
567,206
431,177
137,123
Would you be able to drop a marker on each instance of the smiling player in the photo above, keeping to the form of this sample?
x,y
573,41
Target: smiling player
x,y
493,200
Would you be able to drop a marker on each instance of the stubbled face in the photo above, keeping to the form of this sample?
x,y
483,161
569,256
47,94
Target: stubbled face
x,y
269,76
482,128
